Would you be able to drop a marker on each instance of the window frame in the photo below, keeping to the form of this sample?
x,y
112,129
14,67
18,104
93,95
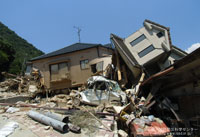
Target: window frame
x,y
138,40
58,71
146,51
160,34
86,64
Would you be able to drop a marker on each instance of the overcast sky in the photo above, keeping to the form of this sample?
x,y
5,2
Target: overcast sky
x,y
48,24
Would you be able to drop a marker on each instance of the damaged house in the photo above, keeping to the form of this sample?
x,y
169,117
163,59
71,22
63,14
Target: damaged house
x,y
173,94
73,65
149,49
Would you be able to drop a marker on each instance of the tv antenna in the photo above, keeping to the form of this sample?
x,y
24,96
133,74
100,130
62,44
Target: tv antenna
x,y
79,33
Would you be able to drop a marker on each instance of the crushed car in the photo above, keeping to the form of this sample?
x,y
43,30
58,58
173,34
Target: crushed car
x,y
101,90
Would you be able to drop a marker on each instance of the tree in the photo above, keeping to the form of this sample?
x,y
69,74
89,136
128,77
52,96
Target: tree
x,y
6,56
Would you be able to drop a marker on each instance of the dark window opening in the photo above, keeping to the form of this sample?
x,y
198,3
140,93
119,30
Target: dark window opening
x,y
97,67
100,85
93,68
160,34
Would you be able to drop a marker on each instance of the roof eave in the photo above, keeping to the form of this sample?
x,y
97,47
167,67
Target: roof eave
x,y
99,45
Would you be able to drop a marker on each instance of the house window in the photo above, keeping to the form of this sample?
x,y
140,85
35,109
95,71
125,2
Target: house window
x,y
84,64
137,40
28,69
59,71
160,34
146,51
97,67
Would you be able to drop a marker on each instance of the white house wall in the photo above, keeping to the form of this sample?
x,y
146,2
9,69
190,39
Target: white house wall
x,y
151,39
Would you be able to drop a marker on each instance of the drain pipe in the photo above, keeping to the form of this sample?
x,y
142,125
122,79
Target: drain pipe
x,y
64,119
48,121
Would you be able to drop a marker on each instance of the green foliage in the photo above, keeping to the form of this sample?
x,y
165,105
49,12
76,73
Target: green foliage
x,y
23,50
3,57
6,56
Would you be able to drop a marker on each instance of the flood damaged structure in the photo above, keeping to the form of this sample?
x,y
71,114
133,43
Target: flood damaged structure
x,y
149,49
72,65
174,93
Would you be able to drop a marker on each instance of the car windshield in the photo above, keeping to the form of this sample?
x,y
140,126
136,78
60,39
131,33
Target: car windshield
x,y
114,86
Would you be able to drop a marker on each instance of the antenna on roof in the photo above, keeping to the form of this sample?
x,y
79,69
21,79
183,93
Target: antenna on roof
x,y
79,33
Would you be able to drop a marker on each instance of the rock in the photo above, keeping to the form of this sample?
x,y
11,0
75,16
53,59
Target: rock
x,y
4,89
8,128
12,110
100,108
72,94
50,104
2,111
69,102
47,127
122,133
74,128
130,119
32,88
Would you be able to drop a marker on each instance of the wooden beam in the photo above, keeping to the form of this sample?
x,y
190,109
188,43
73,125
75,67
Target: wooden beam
x,y
139,83
125,74
118,67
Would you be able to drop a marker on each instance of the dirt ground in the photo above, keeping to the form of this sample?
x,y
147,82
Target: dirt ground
x,y
30,128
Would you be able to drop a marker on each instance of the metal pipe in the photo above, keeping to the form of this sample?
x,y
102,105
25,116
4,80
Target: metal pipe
x,y
55,116
48,121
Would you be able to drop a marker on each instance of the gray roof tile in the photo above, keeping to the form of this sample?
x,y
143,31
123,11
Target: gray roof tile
x,y
71,48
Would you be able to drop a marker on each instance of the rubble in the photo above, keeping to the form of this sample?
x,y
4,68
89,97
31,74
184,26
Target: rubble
x,y
145,127
122,133
12,110
29,85
8,129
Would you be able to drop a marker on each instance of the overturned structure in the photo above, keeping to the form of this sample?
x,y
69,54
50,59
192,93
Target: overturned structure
x,y
149,49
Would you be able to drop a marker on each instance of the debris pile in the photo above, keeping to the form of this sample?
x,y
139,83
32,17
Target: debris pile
x,y
30,85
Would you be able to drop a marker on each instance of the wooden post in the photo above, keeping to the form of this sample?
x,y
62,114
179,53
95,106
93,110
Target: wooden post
x,y
119,68
125,74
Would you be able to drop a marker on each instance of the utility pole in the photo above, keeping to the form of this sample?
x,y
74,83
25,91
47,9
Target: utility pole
x,y
79,33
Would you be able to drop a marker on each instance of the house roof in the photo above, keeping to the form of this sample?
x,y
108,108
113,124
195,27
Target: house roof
x,y
120,42
179,50
167,28
149,21
71,48
187,60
